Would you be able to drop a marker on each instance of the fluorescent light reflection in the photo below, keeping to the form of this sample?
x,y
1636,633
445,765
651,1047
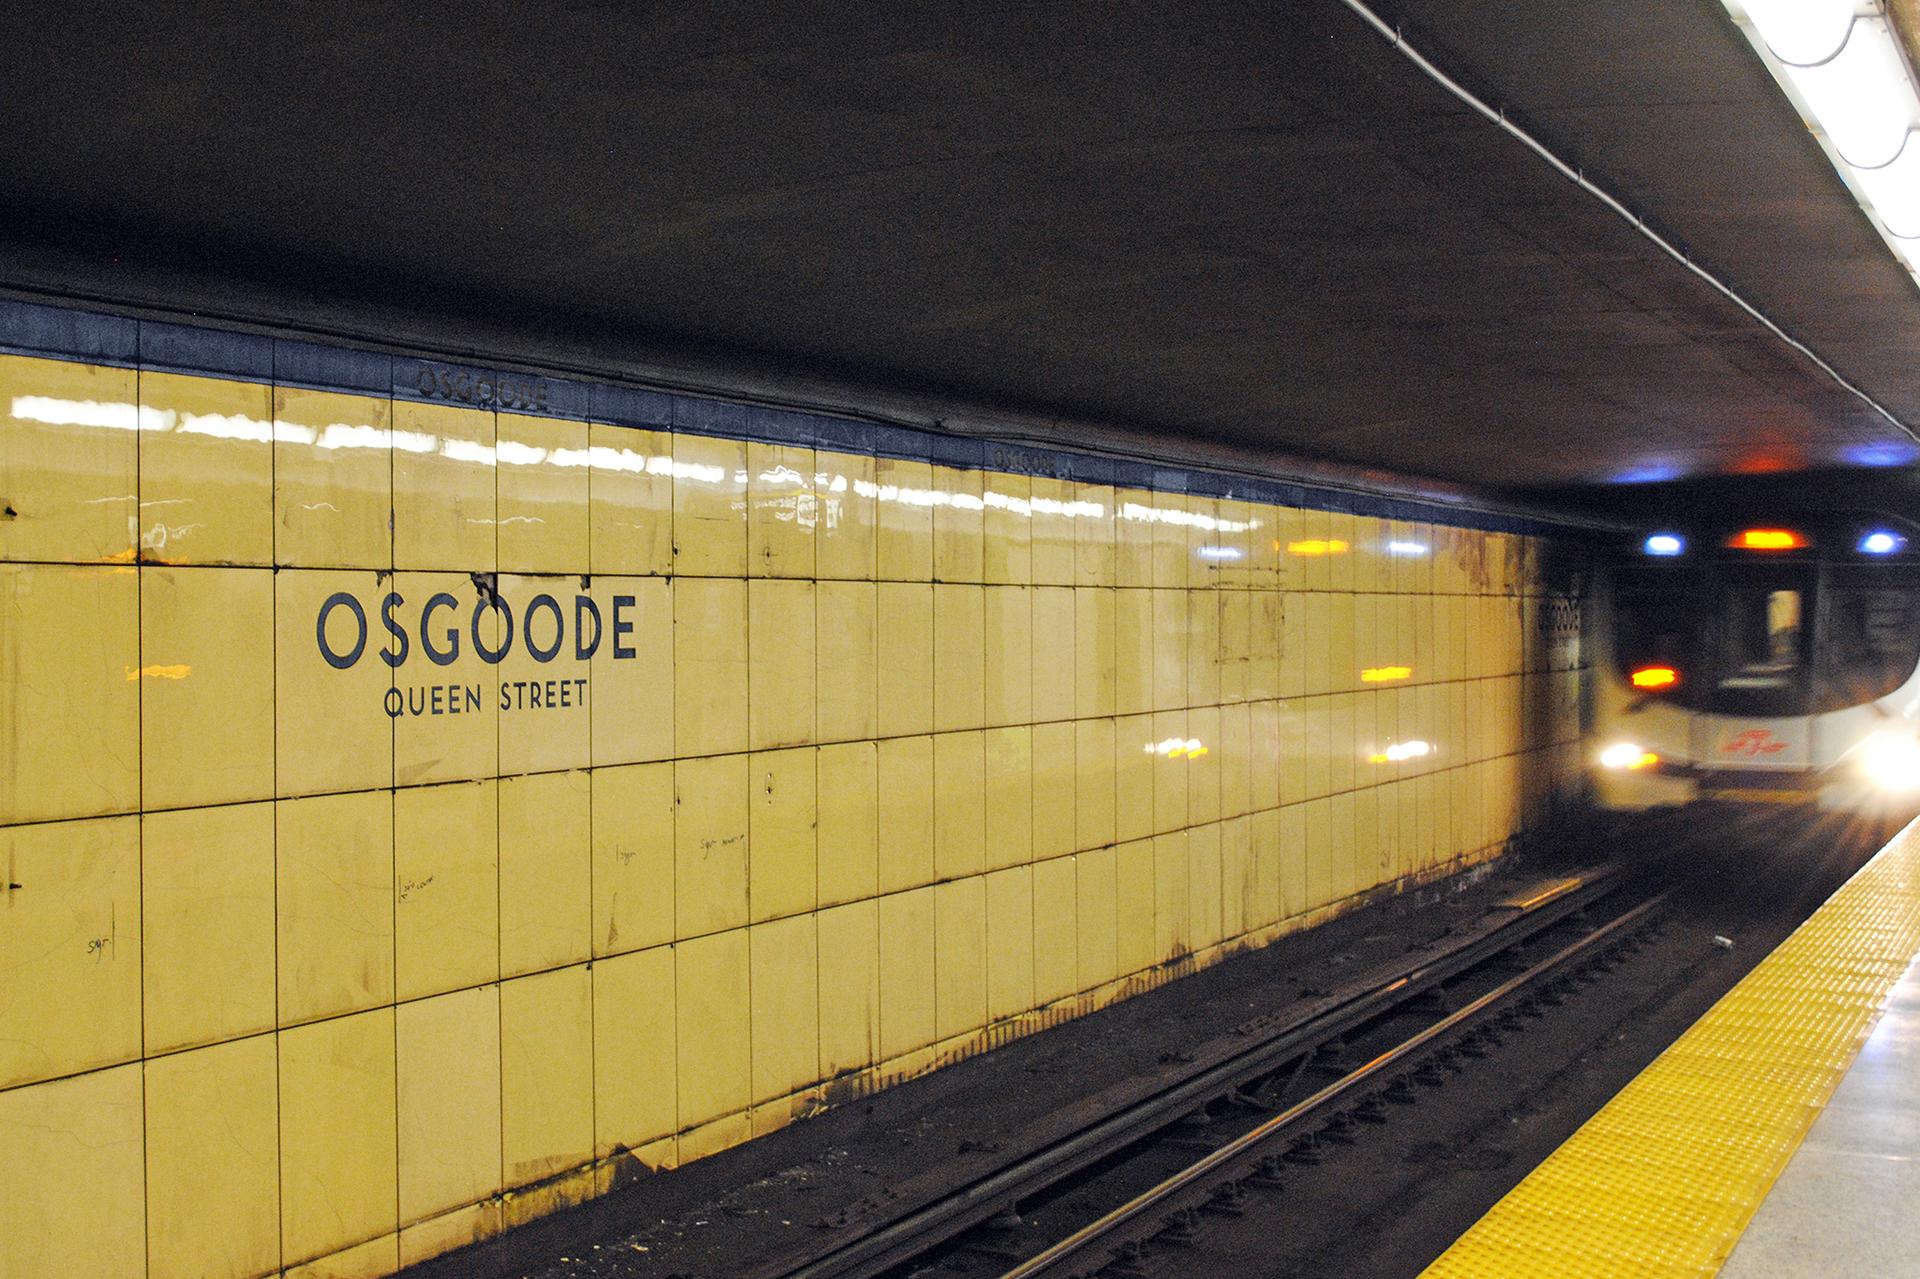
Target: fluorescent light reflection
x,y
1862,96
1400,752
1802,32
1413,549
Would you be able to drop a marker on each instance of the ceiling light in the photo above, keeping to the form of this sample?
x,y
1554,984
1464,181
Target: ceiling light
x,y
1802,32
1861,96
1894,190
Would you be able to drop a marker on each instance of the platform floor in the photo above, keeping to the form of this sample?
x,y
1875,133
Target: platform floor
x,y
1789,1113
1849,1201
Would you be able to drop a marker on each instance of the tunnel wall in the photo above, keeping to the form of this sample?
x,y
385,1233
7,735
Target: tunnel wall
x,y
344,922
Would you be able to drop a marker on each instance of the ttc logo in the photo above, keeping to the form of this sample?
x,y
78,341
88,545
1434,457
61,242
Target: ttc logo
x,y
1753,742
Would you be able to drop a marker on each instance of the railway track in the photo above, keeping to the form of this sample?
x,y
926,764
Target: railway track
x,y
1146,1179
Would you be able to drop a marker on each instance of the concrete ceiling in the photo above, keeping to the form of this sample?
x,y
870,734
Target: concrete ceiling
x,y
1227,228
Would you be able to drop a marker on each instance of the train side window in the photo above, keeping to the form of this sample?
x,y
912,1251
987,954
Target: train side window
x,y
1872,643
1760,638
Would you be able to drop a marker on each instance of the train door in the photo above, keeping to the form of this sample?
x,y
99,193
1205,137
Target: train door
x,y
1761,634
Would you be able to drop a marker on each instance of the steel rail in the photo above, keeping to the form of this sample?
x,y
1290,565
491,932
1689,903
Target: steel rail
x,y
919,1230
1238,1148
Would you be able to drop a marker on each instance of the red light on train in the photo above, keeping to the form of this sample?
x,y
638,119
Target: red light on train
x,y
1655,677
1768,539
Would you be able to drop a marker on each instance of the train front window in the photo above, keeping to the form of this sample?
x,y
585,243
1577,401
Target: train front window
x,y
1760,638
1872,643
1655,628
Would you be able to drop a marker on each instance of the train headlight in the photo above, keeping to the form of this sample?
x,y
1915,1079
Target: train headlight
x,y
1627,756
1891,760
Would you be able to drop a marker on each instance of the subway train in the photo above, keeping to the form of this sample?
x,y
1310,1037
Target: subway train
x,y
1760,662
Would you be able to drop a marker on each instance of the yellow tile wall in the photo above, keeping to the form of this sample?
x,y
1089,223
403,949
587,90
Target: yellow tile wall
x,y
414,817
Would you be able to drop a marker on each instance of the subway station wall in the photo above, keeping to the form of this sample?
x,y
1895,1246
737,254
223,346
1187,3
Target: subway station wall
x,y
416,816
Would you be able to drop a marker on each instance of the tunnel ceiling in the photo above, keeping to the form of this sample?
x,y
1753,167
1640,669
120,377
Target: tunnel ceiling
x,y
1247,227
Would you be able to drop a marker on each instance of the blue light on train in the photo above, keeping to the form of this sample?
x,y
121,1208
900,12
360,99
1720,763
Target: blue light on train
x,y
1881,542
1665,544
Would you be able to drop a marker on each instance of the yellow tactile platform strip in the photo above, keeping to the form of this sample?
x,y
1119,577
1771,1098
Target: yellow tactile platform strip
x,y
1665,1178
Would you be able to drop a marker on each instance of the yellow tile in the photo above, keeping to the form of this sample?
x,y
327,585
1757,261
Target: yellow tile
x,y
1133,769
73,1177
849,985
959,661
781,510
780,630
446,880
960,956
1203,765
783,808
1343,751
448,1054
1170,768
1133,538
1368,856
338,1164
370,1260
1233,558
1133,651
1203,541
1263,756
635,1057
709,506
845,530
1204,886
1008,669
541,688
332,480
906,813
1294,899
710,842
1094,774
1171,550
1055,821
1097,915
958,523
1203,647
709,665
1055,930
334,884
1264,643
71,697
1265,551
332,728
630,516
1052,535
213,1156
206,471
1009,796
1236,644
848,834
631,690
785,979
1094,554
446,690
959,804
542,490
1095,675
633,857
1292,661
71,947
546,871
713,1014
1009,907
1007,526
1318,713
207,924
1055,646
206,685
1135,940
906,972
1340,570
1172,897
846,657
69,445
468,1224
1264,861
1318,852
1232,758
1171,649
905,658
546,1074
443,487
905,527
